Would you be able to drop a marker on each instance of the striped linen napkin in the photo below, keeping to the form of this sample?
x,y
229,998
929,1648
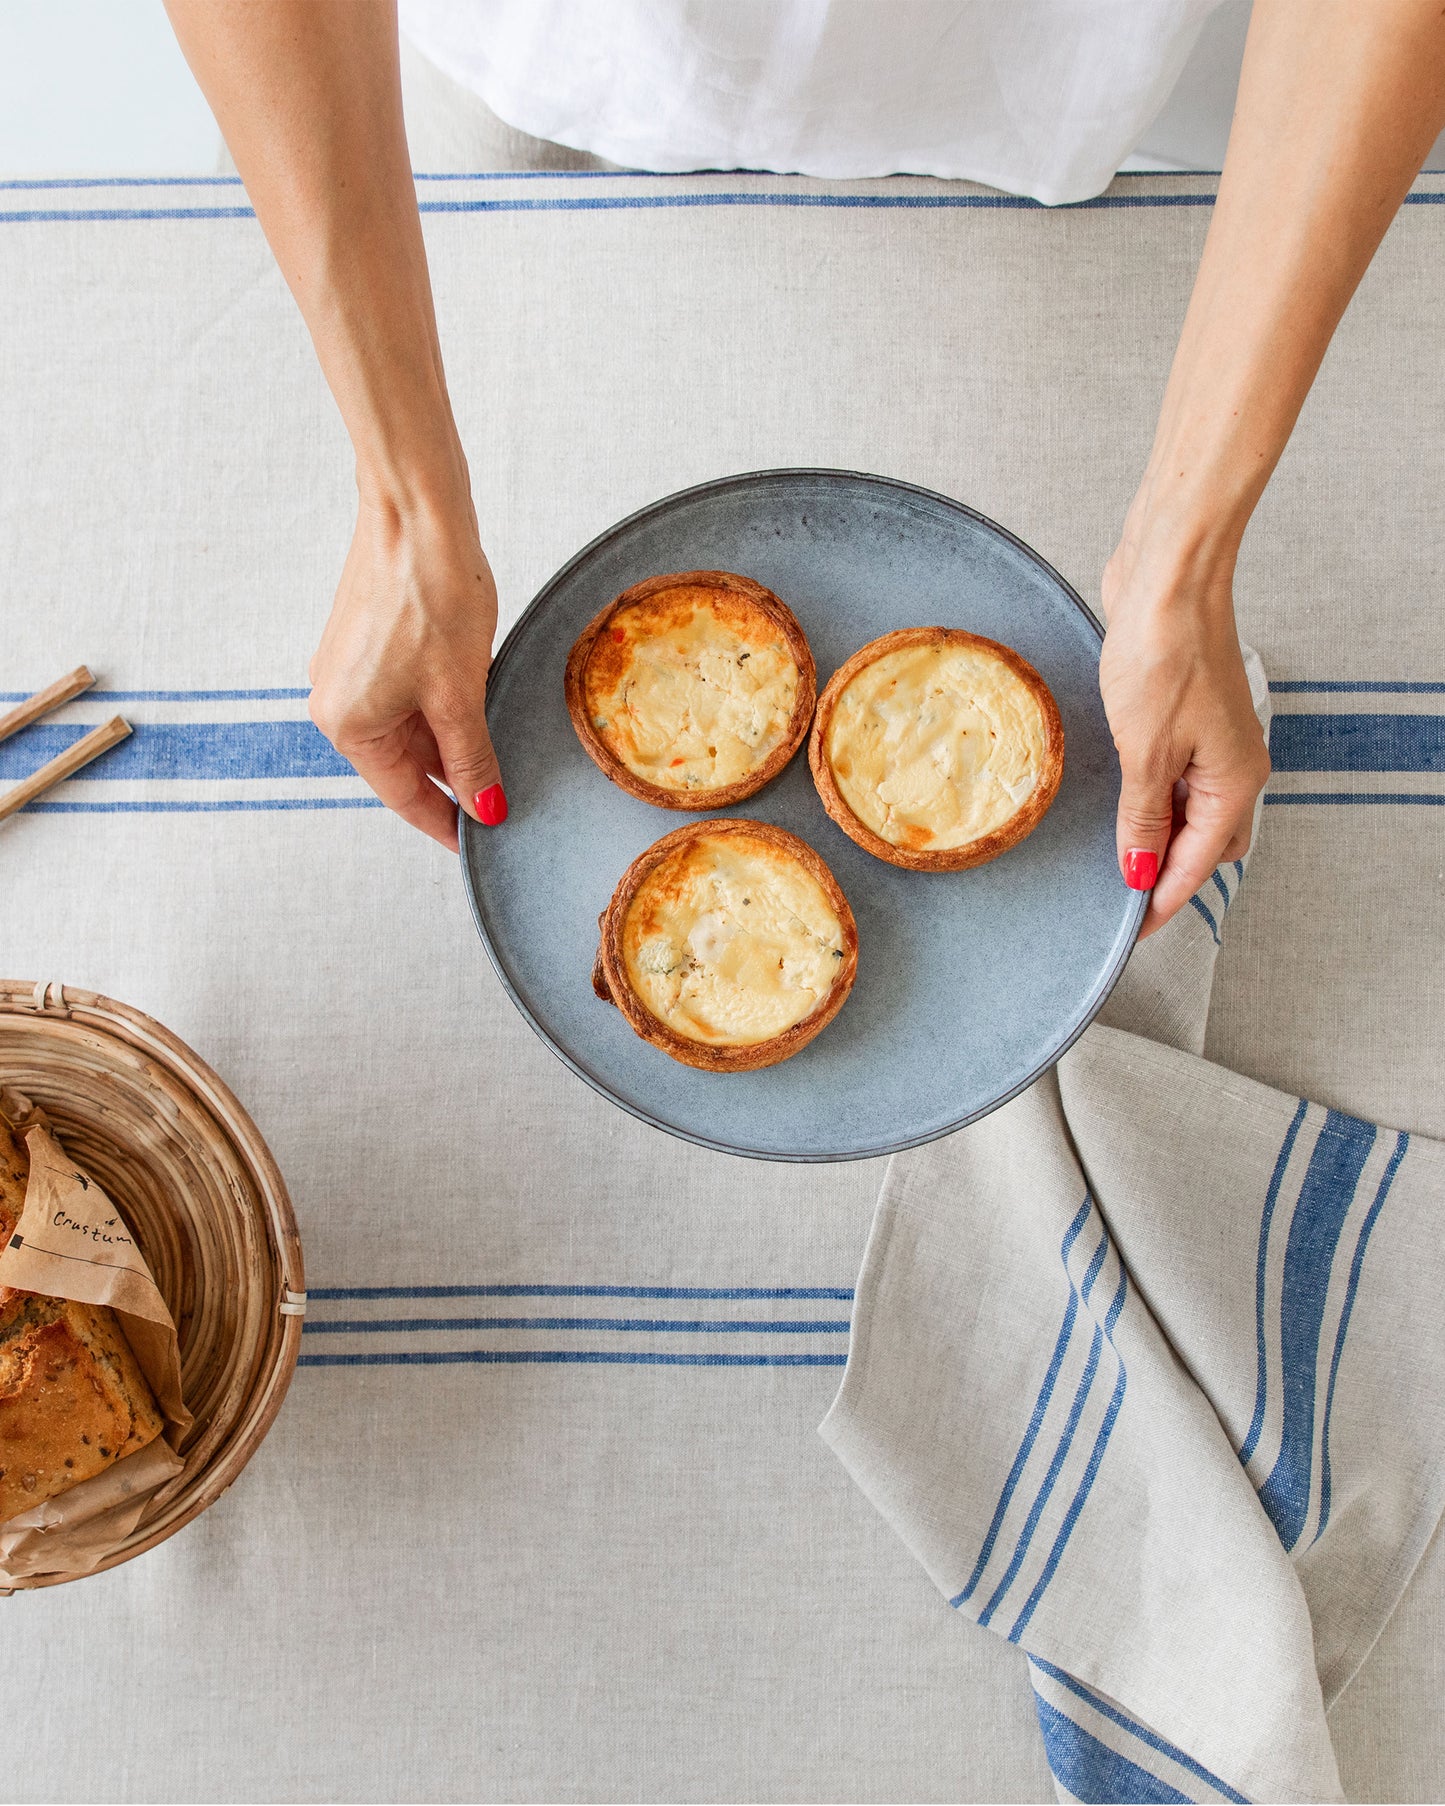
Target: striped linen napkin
x,y
1145,1370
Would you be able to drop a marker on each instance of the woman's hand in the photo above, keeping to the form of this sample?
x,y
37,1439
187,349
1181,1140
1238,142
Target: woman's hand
x,y
1338,104
308,94
399,679
1191,749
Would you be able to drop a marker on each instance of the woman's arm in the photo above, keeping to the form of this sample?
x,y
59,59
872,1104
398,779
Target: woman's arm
x,y
1338,105
308,95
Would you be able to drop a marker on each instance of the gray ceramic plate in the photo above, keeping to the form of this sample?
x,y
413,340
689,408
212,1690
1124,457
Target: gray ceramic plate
x,y
969,983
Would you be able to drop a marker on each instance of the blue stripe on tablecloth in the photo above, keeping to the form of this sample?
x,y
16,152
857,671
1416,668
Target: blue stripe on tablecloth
x,y
450,175
553,1357
1154,1741
173,695
987,203
1041,1405
296,748
193,750
1357,742
578,1291
797,1326
1090,1770
228,807
414,1328
1402,1143
1324,1201
616,203
1344,686
1292,686
1354,796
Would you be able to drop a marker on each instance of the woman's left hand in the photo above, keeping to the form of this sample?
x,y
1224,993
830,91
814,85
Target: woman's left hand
x,y
1191,750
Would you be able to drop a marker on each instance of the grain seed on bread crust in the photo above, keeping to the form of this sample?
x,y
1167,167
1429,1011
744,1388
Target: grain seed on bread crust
x,y
715,712
790,877
912,849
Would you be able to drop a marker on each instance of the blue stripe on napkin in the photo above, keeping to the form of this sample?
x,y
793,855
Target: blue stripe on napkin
x,y
1036,1417
1072,1752
1402,1143
1091,1469
1090,1770
1339,1156
1290,1342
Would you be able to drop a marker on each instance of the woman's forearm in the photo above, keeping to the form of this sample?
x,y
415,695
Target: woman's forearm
x,y
1339,101
1338,104
308,97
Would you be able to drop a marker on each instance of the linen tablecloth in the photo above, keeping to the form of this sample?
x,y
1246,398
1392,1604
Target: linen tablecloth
x,y
545,1516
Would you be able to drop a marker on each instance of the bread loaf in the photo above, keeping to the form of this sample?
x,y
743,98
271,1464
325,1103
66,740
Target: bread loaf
x,y
14,1171
72,1398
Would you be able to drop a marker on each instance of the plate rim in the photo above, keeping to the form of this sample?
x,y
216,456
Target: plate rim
x,y
468,829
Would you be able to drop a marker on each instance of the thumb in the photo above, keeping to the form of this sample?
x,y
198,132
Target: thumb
x,y
1145,821
469,764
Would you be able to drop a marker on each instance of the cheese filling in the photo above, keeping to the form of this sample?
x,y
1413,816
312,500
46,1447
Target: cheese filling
x,y
731,940
691,689
933,747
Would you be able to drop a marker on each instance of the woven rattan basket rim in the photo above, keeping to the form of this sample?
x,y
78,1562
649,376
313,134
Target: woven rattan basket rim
x,y
107,1017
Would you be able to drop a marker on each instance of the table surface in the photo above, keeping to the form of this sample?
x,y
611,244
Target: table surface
x,y
544,1516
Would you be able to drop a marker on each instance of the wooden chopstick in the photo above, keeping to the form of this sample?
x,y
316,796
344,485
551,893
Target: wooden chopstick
x,y
43,701
65,764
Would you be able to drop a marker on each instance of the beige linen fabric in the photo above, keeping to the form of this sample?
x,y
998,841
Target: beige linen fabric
x,y
1248,1292
619,1581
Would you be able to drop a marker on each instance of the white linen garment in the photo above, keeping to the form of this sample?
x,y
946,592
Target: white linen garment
x,y
1037,97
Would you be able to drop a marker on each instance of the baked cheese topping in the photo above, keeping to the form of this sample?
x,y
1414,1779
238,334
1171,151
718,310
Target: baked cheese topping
x,y
691,689
933,747
731,941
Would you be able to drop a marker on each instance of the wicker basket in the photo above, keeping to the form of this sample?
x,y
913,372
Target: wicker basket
x,y
209,1209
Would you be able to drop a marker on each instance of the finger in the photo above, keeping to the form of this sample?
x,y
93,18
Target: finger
x,y
1145,821
404,786
469,762
425,751
1193,854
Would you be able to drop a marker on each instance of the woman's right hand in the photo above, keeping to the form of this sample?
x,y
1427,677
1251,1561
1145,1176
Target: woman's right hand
x,y
399,680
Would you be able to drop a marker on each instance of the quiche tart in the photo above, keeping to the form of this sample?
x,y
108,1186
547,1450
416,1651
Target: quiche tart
x,y
728,945
936,749
691,691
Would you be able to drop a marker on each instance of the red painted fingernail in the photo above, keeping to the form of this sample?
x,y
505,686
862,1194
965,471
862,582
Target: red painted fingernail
x,y
1141,867
492,805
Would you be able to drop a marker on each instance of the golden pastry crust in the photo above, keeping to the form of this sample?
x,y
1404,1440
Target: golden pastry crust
x,y
664,878
692,727
72,1398
14,1177
920,856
